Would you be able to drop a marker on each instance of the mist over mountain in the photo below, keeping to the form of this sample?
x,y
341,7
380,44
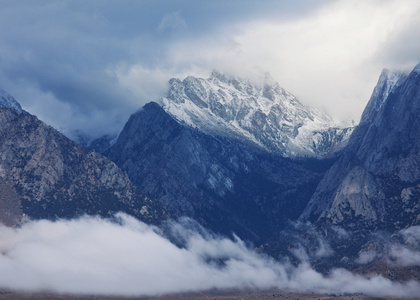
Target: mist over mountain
x,y
226,152
217,150
129,168
246,161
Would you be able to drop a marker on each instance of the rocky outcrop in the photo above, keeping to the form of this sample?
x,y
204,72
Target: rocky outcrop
x,y
45,175
376,182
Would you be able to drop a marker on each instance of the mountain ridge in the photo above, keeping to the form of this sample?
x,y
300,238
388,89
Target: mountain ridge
x,y
264,114
43,174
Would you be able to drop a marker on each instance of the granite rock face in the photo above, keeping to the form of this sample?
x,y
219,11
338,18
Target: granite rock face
x,y
45,175
376,182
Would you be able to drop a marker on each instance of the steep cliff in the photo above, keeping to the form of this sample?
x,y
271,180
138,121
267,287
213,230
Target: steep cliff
x,y
376,182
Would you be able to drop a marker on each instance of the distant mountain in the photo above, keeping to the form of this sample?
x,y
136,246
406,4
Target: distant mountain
x,y
229,153
45,175
226,183
263,114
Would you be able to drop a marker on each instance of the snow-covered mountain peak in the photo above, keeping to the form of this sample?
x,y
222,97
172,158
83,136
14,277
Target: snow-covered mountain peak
x,y
7,101
262,113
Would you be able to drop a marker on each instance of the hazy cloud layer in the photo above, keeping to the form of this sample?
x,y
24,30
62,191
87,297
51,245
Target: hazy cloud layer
x,y
90,64
127,257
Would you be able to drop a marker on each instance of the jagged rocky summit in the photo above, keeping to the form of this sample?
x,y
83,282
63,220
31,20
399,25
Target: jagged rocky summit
x,y
43,174
263,114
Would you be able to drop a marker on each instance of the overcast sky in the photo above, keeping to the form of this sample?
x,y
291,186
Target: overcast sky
x,y
90,64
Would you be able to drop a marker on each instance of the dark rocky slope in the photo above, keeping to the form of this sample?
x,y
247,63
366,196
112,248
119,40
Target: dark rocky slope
x,y
226,184
45,175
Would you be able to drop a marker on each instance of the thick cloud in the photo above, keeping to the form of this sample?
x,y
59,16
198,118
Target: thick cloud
x,y
127,257
96,62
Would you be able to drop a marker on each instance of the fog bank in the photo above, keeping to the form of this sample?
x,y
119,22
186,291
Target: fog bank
x,y
127,257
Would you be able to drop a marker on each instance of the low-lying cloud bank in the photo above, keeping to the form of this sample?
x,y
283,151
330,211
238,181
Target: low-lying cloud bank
x,y
127,257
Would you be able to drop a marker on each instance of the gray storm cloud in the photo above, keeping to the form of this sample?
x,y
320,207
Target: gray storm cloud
x,y
127,257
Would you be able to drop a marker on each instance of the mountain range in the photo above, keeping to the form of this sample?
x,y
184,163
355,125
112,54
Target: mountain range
x,y
260,113
237,156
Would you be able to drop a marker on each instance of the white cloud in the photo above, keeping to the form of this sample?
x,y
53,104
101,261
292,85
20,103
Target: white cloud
x,y
403,256
96,256
64,116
